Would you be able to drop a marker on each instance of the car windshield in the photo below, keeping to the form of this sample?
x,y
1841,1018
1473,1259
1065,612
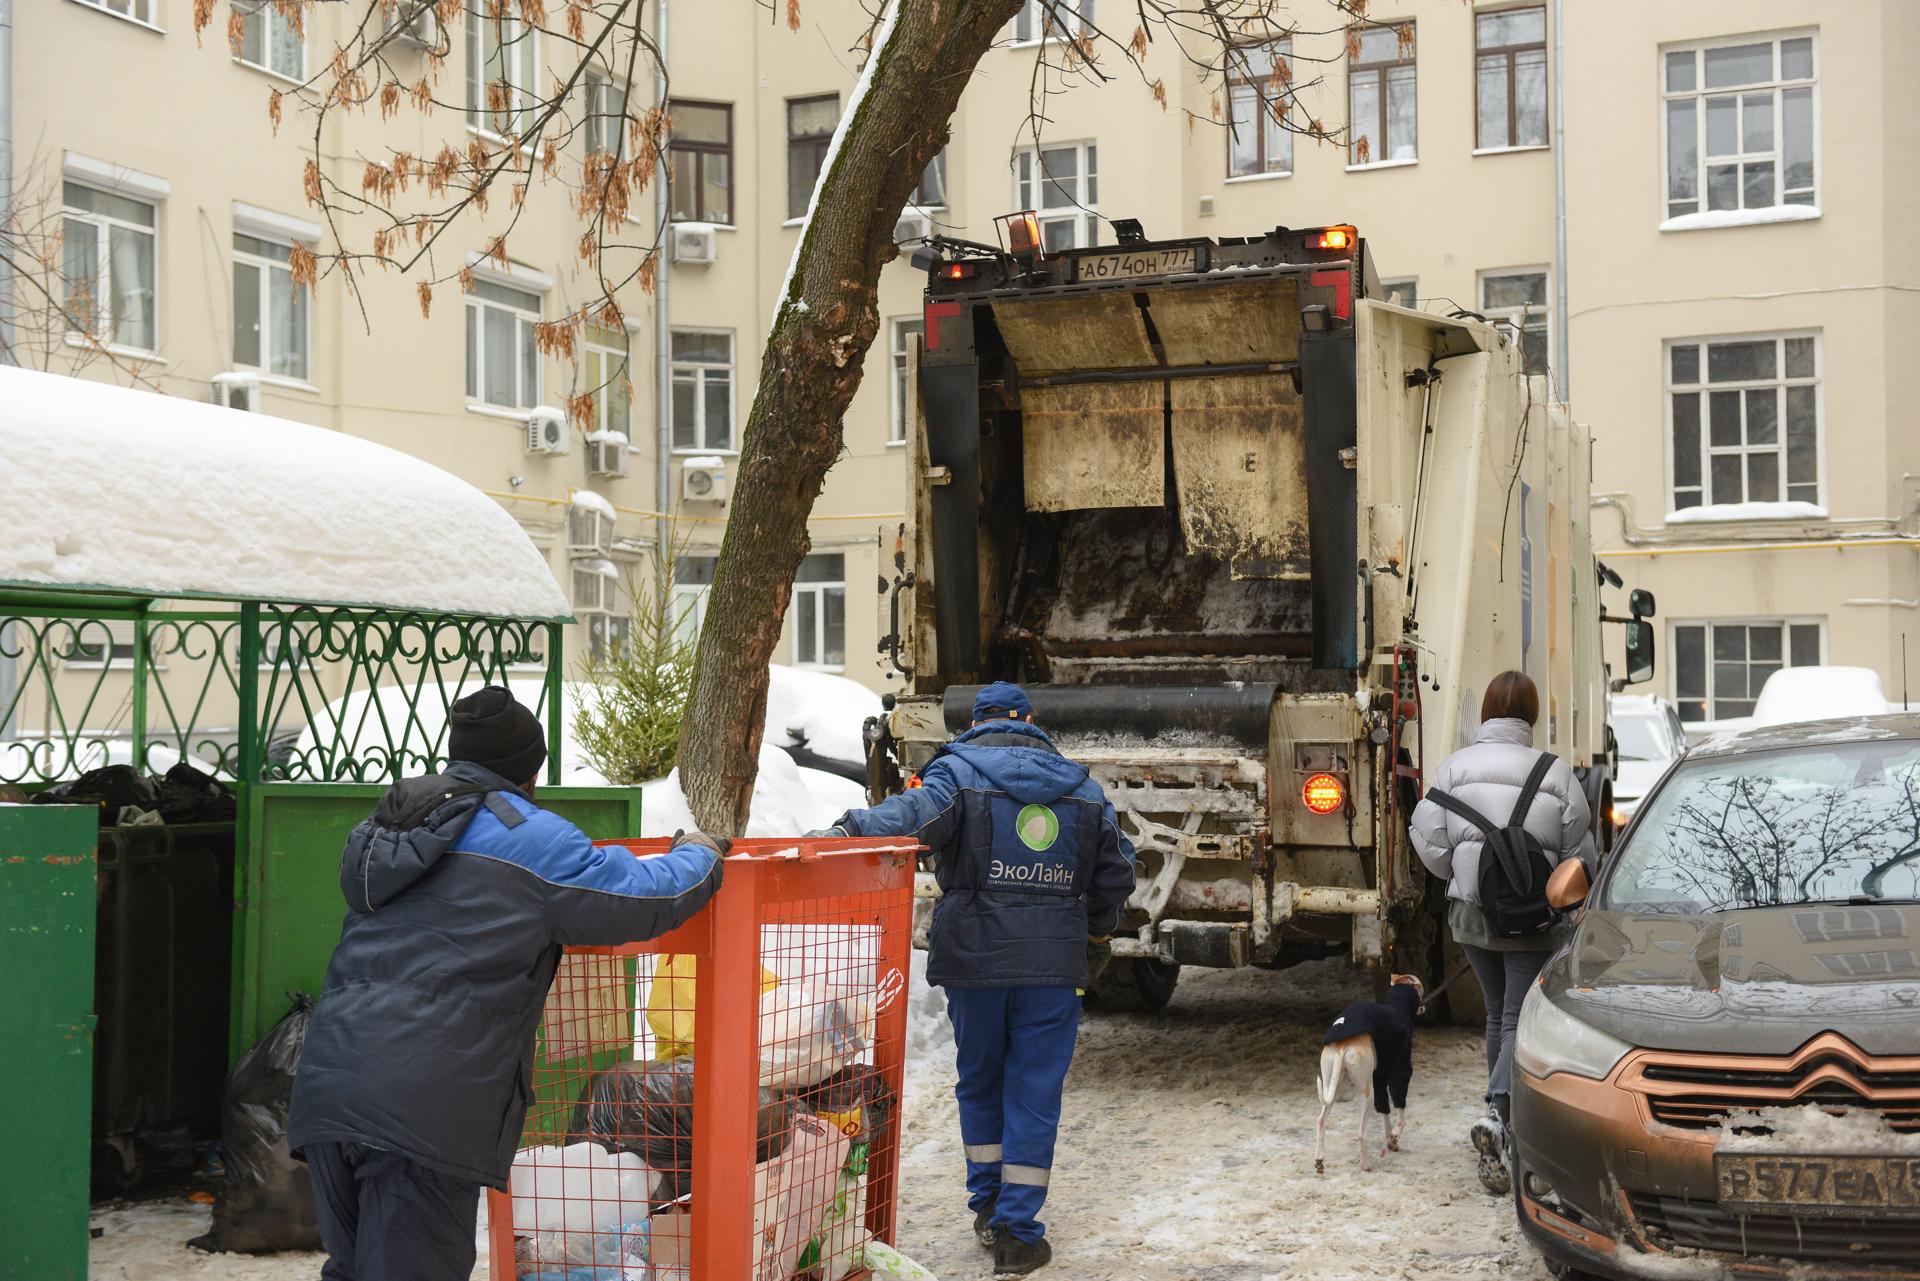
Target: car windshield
x,y
1833,823
1642,737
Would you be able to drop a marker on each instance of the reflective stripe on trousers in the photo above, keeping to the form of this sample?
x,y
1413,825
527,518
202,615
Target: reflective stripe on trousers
x,y
1012,1046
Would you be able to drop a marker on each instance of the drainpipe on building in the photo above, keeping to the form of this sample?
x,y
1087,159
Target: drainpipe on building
x,y
9,673
1560,366
662,342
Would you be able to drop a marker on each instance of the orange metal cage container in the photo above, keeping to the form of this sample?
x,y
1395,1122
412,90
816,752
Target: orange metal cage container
x,y
723,1103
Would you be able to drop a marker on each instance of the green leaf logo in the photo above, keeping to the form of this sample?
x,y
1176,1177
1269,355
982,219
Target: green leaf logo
x,y
1037,827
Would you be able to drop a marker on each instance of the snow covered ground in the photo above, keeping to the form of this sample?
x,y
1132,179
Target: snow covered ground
x,y
1186,1154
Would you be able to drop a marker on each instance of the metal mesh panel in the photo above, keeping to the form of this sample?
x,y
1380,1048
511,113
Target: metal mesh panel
x,y
724,1102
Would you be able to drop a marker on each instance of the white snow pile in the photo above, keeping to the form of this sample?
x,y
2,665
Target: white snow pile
x,y
1807,1129
1721,512
115,488
1819,693
787,800
820,711
592,502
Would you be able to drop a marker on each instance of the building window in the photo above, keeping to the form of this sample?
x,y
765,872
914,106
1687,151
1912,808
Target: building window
x,y
1518,300
270,330
1745,420
820,612
702,390
1066,193
503,70
1718,668
138,10
1510,71
701,145
1739,121
1257,87
931,192
608,634
905,330
503,364
270,41
810,125
609,378
96,644
692,584
1380,100
1052,20
606,118
1405,292
108,265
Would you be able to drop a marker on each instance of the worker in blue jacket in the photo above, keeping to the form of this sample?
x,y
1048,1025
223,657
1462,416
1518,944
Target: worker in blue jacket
x,y
1033,873
418,1068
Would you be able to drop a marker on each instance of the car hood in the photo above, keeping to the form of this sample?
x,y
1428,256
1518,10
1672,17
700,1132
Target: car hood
x,y
1636,778
1762,981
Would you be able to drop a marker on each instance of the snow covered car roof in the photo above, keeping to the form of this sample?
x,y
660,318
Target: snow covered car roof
x,y
112,489
1838,729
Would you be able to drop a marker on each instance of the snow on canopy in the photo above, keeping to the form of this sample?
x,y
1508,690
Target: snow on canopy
x,y
111,488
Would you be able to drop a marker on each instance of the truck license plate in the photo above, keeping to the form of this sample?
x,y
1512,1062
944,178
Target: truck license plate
x,y
1820,1184
1147,262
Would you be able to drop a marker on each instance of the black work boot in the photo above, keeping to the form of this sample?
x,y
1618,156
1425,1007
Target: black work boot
x,y
1013,1257
983,1226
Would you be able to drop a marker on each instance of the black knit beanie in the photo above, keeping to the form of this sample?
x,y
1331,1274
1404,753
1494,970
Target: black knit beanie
x,y
493,729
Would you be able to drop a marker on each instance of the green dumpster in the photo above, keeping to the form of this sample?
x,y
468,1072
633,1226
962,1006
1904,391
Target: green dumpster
x,y
46,1049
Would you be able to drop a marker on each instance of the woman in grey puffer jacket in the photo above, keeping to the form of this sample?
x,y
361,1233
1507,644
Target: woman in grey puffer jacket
x,y
1488,775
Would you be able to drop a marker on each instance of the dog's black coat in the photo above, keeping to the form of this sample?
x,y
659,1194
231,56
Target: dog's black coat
x,y
1390,1024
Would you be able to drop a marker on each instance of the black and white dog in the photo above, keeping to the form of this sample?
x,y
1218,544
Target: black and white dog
x,y
1369,1052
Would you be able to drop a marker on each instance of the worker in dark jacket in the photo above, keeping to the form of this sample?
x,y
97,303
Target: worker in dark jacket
x,y
417,1072
1033,873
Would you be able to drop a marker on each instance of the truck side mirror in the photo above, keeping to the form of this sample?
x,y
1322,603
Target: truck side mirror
x,y
1639,651
1569,885
1640,603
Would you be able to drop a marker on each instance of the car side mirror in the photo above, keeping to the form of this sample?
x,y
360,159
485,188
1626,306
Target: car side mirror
x,y
1640,603
1639,651
1569,885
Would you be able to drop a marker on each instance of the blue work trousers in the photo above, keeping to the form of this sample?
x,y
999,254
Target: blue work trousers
x,y
1013,1047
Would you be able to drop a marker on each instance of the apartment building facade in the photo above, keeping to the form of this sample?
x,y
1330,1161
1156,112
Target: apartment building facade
x,y
1731,291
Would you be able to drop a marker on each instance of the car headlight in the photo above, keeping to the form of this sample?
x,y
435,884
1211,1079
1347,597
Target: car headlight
x,y
1551,1040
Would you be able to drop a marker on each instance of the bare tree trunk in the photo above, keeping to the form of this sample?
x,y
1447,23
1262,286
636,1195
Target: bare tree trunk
x,y
808,374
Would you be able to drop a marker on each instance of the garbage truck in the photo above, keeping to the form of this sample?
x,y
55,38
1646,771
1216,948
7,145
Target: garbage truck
x,y
1254,538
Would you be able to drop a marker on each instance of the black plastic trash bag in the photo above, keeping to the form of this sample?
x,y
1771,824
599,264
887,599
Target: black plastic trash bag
x,y
266,1202
647,1109
186,795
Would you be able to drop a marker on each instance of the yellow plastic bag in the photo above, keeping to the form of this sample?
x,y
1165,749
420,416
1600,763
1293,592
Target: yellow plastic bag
x,y
670,1001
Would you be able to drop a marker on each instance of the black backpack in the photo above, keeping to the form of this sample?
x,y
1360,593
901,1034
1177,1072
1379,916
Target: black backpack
x,y
1513,866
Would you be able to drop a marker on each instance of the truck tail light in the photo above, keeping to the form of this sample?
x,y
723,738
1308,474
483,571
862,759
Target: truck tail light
x,y
1341,237
1323,793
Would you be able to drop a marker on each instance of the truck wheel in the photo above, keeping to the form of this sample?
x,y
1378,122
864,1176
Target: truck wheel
x,y
1136,983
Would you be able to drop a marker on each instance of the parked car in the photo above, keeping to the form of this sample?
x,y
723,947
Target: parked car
x,y
1724,1062
1651,738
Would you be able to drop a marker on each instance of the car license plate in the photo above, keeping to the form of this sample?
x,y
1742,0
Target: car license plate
x,y
1147,262
1819,1184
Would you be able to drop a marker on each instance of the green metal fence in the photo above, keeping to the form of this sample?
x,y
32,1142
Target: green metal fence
x,y
260,692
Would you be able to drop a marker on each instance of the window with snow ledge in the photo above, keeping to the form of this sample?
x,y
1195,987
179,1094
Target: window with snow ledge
x,y
1724,512
1739,129
702,374
1040,20
1719,666
1743,425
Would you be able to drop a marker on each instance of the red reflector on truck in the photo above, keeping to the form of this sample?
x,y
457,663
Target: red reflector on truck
x,y
1342,283
1323,793
935,313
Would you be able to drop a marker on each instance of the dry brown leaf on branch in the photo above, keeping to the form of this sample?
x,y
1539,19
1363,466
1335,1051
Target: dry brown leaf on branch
x,y
580,409
497,252
273,109
389,100
466,280
236,30
1138,45
202,15
425,291
533,12
577,20
1159,91
310,183
793,15
303,266
423,96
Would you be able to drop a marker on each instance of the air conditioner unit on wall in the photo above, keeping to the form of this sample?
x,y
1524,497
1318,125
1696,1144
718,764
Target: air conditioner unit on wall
x,y
589,524
415,23
703,480
237,390
607,453
913,225
695,244
546,430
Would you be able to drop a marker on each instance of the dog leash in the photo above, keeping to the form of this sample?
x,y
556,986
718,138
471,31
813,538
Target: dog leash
x,y
1444,985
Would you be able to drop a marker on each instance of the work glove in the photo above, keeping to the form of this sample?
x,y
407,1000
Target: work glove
x,y
1099,957
718,844
827,833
